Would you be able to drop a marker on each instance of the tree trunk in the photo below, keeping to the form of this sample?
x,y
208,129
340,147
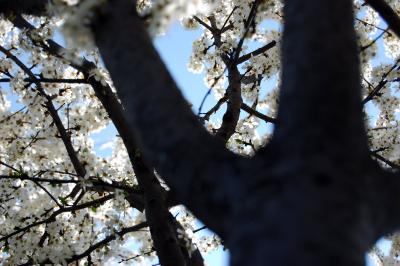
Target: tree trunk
x,y
305,215
313,207
308,198
311,197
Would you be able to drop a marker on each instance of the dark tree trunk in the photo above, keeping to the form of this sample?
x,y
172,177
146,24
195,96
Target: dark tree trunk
x,y
310,206
311,197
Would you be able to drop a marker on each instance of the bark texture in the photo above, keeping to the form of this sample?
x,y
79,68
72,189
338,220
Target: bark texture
x,y
32,7
181,146
303,200
387,13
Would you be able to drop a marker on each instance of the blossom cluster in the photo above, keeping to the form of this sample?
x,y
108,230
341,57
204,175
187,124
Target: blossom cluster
x,y
49,111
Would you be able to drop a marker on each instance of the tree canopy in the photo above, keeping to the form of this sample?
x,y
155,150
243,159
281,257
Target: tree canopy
x,y
319,189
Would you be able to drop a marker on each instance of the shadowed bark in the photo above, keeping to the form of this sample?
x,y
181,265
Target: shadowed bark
x,y
32,7
305,199
312,200
197,166
320,96
387,13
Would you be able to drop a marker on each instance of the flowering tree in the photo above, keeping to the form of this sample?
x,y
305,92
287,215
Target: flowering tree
x,y
321,191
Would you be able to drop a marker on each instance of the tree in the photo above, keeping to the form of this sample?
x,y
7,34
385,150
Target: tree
x,y
314,194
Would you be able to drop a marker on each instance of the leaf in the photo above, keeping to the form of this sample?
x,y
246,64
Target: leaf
x,y
63,200
6,249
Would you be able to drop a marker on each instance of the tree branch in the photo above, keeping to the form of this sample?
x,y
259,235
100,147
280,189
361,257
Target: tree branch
x,y
308,116
79,168
381,83
386,161
50,80
214,109
107,240
155,197
250,18
233,92
178,153
251,111
97,245
256,52
52,217
387,13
